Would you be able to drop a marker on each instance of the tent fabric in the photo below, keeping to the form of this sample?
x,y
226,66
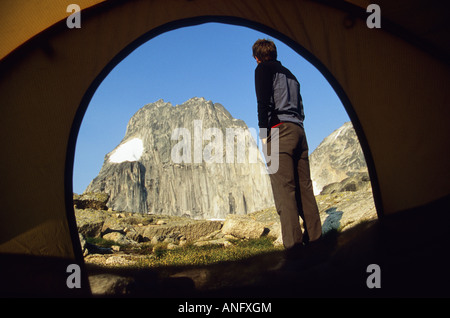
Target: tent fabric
x,y
392,81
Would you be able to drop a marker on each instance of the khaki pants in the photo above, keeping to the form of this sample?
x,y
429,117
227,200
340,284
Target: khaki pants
x,y
292,185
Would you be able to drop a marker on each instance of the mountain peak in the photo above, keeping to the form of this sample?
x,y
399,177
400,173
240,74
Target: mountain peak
x,y
197,99
141,174
337,157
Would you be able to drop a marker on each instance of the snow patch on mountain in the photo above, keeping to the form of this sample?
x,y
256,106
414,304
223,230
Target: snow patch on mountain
x,y
130,151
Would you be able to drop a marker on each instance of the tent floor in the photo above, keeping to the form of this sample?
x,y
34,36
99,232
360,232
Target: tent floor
x,y
410,248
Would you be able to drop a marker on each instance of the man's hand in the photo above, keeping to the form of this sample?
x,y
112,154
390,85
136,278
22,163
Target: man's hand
x,y
264,141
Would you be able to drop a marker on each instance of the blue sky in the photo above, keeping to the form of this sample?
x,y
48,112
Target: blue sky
x,y
211,60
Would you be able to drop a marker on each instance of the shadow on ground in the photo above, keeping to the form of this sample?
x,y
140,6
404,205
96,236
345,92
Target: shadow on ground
x,y
410,248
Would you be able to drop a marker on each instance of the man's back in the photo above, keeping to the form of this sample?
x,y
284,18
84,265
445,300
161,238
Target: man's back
x,y
278,94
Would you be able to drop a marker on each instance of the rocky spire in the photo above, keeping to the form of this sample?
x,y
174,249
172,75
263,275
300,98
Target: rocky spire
x,y
191,159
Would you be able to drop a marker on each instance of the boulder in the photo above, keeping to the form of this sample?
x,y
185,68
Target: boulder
x,y
190,229
359,181
91,200
90,222
243,227
119,238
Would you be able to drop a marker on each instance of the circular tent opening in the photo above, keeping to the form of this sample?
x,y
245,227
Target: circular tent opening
x,y
165,67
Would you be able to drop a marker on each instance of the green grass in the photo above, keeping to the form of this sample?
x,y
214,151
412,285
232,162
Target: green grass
x,y
206,255
190,255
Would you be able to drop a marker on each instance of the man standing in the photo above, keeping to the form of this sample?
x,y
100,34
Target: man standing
x,y
280,119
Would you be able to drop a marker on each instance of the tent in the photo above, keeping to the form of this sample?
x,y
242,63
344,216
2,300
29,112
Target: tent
x,y
393,82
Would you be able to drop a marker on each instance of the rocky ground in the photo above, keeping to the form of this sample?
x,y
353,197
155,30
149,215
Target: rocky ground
x,y
340,210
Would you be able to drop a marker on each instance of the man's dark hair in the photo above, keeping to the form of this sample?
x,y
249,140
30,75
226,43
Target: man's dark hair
x,y
264,50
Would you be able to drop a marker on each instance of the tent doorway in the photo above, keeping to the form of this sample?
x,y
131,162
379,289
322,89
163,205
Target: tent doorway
x,y
231,70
